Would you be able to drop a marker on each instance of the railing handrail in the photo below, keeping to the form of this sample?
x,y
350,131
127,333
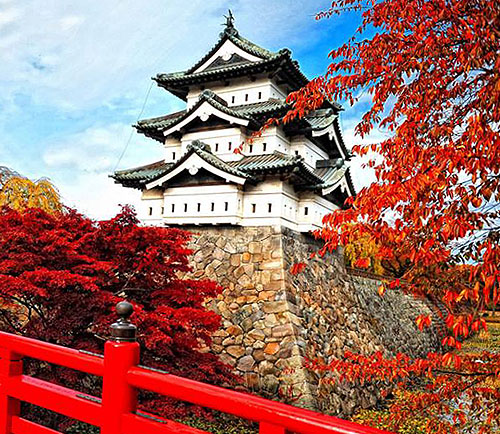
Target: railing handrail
x,y
52,353
123,376
241,404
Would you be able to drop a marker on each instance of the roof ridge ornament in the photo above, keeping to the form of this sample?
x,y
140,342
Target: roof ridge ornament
x,y
198,144
229,24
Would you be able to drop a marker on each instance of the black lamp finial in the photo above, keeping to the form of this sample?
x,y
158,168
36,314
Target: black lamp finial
x,y
123,330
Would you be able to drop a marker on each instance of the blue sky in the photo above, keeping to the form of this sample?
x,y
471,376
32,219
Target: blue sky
x,y
74,76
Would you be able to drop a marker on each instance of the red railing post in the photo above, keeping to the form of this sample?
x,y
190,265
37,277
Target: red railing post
x,y
120,354
11,364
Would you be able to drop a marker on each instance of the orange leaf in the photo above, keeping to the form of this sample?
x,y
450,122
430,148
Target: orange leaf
x,y
362,263
297,268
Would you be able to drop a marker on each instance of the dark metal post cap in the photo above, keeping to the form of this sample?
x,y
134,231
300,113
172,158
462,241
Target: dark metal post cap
x,y
123,330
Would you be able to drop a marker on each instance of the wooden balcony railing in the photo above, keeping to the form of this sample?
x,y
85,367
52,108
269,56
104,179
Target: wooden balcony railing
x,y
116,411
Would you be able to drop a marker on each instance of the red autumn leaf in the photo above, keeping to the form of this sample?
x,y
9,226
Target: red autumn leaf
x,y
430,69
297,268
65,273
362,263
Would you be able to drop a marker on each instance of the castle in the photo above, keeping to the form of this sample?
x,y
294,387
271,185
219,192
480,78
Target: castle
x,y
291,176
251,213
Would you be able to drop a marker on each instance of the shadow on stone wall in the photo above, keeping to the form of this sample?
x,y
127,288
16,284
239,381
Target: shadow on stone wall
x,y
273,321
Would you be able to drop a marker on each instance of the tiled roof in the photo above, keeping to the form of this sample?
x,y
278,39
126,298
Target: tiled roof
x,y
283,61
276,160
331,175
255,113
241,42
320,119
237,66
139,176
160,121
203,150
263,108
247,167
155,126
142,174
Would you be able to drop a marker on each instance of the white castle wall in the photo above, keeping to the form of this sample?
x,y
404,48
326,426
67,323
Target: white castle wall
x,y
241,91
269,203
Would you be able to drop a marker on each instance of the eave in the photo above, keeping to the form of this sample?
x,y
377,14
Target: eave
x,y
209,104
198,156
281,67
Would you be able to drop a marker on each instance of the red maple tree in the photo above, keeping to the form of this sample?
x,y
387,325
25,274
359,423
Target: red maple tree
x,y
62,274
432,69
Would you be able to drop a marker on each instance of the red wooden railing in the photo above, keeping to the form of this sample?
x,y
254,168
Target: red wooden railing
x,y
116,411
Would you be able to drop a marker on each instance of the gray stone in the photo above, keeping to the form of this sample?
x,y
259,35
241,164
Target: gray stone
x,y
273,321
246,363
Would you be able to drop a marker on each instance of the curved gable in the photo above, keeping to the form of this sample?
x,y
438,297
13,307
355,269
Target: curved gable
x,y
192,164
225,52
208,105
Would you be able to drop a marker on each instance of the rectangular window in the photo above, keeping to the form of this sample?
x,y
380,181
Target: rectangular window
x,y
260,95
269,207
230,145
264,147
199,207
150,210
226,206
173,207
212,207
250,148
185,207
306,210
232,99
254,207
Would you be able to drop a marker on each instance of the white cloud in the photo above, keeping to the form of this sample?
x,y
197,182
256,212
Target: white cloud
x,y
92,150
97,196
8,16
81,165
70,22
104,50
76,60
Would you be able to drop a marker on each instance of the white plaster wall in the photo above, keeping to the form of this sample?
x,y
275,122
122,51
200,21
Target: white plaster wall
x,y
274,140
242,91
276,194
181,204
150,210
317,208
273,202
304,147
173,150
222,142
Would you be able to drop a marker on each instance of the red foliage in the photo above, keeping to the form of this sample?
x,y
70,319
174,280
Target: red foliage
x,y
61,275
432,69
297,268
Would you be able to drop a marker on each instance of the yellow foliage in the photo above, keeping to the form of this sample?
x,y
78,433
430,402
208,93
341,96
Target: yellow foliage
x,y
20,193
364,247
381,419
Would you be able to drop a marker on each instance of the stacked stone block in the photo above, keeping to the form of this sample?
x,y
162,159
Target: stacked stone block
x,y
273,321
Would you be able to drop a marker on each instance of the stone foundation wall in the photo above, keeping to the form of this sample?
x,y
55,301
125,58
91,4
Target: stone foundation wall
x,y
274,321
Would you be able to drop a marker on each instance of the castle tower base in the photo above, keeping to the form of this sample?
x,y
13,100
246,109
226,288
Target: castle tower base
x,y
273,321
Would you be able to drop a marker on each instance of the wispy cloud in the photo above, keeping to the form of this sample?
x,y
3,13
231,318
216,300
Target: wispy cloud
x,y
75,74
